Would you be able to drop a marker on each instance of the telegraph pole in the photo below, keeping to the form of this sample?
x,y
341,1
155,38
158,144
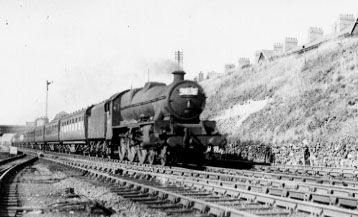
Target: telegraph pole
x,y
47,84
148,74
179,57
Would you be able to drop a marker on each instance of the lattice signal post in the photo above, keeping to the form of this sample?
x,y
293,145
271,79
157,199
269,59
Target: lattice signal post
x,y
47,84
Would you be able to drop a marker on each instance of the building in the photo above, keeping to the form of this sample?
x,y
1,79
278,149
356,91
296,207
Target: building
x,y
243,62
277,48
314,33
41,121
266,55
229,68
290,43
257,55
30,124
344,21
201,76
212,74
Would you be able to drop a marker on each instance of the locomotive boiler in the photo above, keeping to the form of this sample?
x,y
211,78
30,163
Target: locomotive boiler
x,y
155,123
182,100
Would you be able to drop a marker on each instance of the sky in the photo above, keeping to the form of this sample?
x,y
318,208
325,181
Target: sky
x,y
92,49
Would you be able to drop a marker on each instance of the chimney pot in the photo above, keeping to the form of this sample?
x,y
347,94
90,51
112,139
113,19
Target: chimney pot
x,y
178,76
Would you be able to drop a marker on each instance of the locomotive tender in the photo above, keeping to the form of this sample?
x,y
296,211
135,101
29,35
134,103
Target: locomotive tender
x,y
155,123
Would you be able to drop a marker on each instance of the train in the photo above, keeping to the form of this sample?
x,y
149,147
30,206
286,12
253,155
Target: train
x,y
155,124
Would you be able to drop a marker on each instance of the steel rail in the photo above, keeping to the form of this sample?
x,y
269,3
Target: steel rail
x,y
319,170
309,180
9,200
13,168
299,206
330,195
306,183
307,191
214,209
6,160
302,177
295,174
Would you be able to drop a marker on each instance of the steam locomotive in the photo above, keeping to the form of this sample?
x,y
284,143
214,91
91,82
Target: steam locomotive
x,y
158,123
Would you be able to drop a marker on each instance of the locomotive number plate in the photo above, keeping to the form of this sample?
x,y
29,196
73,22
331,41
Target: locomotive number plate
x,y
189,91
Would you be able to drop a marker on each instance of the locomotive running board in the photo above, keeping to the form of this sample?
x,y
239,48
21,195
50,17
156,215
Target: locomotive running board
x,y
136,124
74,142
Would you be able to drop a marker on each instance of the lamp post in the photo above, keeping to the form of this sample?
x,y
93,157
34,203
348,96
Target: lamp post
x,y
47,84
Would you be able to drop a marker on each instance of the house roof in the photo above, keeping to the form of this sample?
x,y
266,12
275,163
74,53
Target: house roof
x,y
350,30
266,54
354,29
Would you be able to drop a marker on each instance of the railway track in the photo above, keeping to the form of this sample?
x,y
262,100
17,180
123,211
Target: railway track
x,y
299,177
335,172
318,190
9,200
319,193
186,191
293,175
324,175
9,159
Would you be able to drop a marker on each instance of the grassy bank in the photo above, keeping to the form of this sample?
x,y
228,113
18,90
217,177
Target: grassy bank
x,y
291,102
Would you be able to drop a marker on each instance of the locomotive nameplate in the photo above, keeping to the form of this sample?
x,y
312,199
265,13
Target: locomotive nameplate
x,y
189,91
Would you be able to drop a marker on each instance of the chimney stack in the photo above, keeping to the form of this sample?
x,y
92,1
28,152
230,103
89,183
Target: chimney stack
x,y
178,76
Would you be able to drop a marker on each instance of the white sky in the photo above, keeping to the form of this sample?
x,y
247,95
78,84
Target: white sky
x,y
93,49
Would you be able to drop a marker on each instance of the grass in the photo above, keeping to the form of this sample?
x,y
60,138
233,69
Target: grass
x,y
313,98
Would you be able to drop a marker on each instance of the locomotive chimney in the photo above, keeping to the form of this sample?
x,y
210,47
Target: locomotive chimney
x,y
178,76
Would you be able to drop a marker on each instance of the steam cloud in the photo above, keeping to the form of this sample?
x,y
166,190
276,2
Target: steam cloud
x,y
84,85
164,67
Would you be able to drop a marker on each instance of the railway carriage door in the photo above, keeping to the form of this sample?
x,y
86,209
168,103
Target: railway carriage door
x,y
108,120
